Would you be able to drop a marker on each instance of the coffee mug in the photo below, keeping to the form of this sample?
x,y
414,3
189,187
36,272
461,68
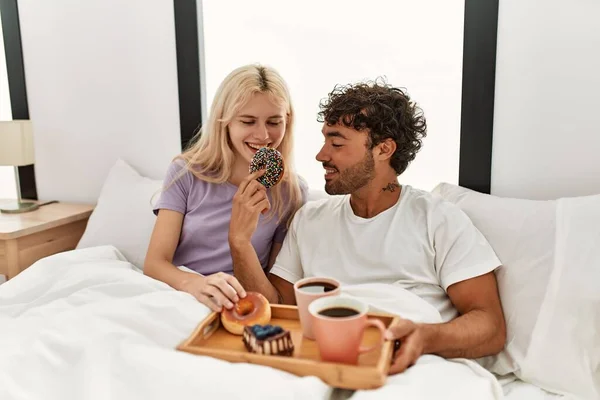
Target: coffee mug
x,y
338,324
306,291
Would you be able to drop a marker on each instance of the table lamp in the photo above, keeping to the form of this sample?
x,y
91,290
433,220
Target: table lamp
x,y
16,149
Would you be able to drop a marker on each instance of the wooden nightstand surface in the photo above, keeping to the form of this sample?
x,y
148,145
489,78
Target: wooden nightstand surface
x,y
28,237
46,217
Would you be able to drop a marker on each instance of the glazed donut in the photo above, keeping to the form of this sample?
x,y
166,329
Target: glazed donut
x,y
252,309
271,160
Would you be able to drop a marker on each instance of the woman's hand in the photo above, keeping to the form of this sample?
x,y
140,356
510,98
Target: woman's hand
x,y
248,203
214,291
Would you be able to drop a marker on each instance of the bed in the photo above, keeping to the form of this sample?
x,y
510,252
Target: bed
x,y
89,324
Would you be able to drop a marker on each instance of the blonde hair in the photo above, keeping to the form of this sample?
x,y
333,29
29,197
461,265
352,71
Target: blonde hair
x,y
210,156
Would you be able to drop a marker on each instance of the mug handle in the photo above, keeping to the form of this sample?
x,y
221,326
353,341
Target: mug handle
x,y
379,325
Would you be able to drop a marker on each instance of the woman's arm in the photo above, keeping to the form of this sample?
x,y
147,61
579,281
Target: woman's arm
x,y
163,243
214,291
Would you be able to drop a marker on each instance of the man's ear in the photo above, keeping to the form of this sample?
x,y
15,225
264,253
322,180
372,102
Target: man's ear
x,y
385,149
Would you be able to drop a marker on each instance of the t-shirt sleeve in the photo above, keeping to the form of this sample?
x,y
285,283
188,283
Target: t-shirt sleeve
x,y
461,250
281,230
176,189
287,264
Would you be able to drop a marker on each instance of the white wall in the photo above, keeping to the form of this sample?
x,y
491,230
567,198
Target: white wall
x,y
547,117
8,188
102,84
316,44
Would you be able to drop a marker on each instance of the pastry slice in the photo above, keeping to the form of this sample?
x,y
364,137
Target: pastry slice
x,y
268,339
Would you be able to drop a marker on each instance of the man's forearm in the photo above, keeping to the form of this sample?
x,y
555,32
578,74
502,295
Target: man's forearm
x,y
249,272
472,335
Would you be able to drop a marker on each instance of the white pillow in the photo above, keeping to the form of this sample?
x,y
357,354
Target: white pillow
x,y
564,355
535,279
123,215
316,194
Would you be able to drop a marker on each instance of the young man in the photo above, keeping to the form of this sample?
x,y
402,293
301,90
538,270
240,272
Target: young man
x,y
381,231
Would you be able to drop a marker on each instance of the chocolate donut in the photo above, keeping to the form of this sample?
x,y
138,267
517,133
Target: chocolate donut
x,y
271,160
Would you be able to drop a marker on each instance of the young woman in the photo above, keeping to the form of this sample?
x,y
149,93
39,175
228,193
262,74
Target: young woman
x,y
209,197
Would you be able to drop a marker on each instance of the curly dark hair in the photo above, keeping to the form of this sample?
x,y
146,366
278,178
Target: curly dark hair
x,y
386,111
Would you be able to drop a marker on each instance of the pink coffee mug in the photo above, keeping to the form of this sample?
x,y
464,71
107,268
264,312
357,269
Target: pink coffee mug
x,y
339,324
307,290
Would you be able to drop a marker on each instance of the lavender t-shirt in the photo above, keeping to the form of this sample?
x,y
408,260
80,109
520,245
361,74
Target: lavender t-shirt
x,y
203,244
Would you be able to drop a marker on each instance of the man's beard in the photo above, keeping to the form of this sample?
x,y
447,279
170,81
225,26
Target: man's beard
x,y
353,178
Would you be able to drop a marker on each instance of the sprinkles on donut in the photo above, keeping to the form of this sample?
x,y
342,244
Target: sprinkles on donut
x,y
271,160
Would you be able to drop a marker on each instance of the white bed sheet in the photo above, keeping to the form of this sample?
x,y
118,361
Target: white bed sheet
x,y
87,324
516,389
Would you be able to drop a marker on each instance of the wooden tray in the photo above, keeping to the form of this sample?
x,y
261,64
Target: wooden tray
x,y
211,339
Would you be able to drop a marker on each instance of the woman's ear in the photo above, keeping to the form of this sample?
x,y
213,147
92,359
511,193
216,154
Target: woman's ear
x,y
386,149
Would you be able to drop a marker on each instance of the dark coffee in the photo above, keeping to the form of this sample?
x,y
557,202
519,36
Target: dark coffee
x,y
338,312
317,287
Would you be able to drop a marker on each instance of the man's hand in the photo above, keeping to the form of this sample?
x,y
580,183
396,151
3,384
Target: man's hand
x,y
248,203
478,331
411,340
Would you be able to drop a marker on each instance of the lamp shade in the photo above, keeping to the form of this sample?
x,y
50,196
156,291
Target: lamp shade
x,y
16,143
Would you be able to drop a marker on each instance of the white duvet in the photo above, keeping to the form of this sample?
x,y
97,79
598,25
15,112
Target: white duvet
x,y
87,324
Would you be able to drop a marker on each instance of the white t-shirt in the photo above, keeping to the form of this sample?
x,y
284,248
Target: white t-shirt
x,y
423,243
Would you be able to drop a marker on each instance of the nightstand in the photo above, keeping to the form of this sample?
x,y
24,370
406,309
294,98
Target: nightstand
x,y
53,228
